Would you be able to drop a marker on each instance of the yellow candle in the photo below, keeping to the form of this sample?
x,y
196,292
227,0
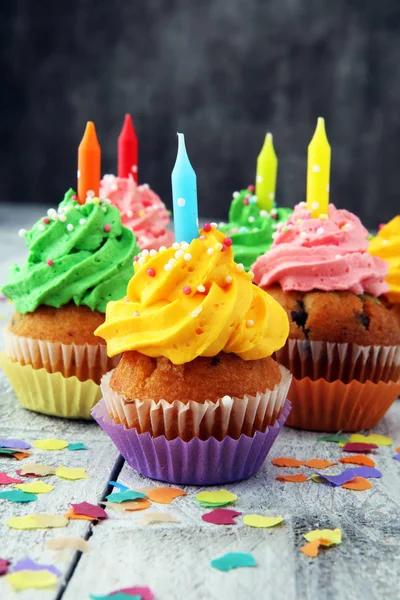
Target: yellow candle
x,y
318,171
267,167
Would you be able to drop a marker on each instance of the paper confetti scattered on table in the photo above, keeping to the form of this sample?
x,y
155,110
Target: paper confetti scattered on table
x,y
91,510
118,485
359,447
398,449
21,455
37,521
74,517
282,461
71,474
319,463
341,478
129,505
77,446
317,479
326,537
4,565
164,495
298,478
68,543
117,596
358,459
397,457
124,496
13,443
150,518
373,438
334,437
311,549
233,560
358,484
144,592
50,444
261,521
27,564
17,496
368,472
220,498
36,487
25,580
6,479
221,516
38,469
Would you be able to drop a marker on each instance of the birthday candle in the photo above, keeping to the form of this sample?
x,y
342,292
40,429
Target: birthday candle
x,y
128,150
318,171
89,163
267,167
184,195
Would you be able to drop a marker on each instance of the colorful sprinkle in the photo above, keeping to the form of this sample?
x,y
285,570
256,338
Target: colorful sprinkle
x,y
46,220
107,228
228,241
207,227
187,289
151,272
50,262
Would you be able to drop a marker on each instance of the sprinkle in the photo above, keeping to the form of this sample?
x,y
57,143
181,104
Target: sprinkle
x,y
210,251
46,220
184,245
263,213
41,227
107,228
167,267
104,209
176,245
179,254
214,225
228,242
151,272
303,235
196,311
162,248
207,227
275,235
320,230
50,262
62,218
145,252
136,314
218,246
201,289
70,227
239,267
300,478
141,260
223,248
228,279
187,289
251,219
323,217
245,202
253,200
251,274
82,221
235,195
187,256
172,261
153,252
202,237
250,323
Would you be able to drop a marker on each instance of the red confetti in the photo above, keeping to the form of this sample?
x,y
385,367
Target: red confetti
x,y
359,447
221,516
89,510
4,564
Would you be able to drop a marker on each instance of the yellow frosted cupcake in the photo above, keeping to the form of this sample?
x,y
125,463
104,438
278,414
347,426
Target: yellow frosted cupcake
x,y
386,245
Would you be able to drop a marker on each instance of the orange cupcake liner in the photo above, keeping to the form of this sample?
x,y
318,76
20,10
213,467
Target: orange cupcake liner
x,y
336,406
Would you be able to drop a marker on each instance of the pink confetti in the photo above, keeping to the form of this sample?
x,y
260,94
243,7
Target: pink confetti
x,y
5,479
4,564
89,510
359,447
144,592
221,516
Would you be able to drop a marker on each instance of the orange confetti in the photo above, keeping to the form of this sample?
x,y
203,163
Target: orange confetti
x,y
140,504
74,517
358,459
282,461
311,549
300,478
21,455
358,484
398,449
164,495
319,463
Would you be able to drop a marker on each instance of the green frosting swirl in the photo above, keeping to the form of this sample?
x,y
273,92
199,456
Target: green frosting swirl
x,y
250,228
90,254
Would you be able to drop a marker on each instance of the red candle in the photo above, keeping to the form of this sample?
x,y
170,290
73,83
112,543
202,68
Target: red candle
x,y
128,150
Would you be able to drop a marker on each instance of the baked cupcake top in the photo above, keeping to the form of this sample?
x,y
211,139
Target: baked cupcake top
x,y
250,228
194,300
386,245
141,210
79,253
327,253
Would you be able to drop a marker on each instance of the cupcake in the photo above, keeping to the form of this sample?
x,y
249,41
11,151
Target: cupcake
x,y
250,228
196,397
386,245
80,258
343,346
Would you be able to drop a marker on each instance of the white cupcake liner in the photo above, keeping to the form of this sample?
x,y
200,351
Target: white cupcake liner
x,y
225,417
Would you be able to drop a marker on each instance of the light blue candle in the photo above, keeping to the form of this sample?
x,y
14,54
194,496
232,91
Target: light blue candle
x,y
184,196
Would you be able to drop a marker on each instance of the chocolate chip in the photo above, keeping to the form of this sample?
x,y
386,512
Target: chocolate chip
x,y
300,317
215,361
365,320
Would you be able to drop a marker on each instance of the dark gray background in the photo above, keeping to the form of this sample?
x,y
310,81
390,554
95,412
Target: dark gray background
x,y
222,71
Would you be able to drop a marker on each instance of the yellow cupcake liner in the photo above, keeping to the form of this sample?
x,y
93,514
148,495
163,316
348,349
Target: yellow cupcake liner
x,y
51,393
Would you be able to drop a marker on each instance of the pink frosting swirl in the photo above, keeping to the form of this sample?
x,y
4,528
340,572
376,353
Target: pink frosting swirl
x,y
322,254
141,210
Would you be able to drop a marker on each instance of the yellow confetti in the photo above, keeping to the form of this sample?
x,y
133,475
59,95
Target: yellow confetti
x,y
71,474
36,487
218,498
326,537
25,580
37,521
150,518
261,521
50,444
68,543
373,438
38,469
317,478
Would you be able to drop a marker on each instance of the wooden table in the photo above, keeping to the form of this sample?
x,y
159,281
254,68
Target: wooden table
x,y
174,560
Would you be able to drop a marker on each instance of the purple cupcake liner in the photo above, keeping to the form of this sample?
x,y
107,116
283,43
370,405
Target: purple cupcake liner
x,y
196,462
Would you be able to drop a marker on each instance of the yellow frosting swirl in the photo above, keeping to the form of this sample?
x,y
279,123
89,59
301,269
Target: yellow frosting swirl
x,y
386,245
194,300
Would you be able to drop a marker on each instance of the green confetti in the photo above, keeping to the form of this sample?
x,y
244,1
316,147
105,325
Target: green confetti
x,y
233,560
18,496
333,437
124,496
77,446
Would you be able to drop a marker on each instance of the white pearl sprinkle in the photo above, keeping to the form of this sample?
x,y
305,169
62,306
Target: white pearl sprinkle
x,y
315,205
263,213
90,194
228,279
201,289
302,204
70,227
179,254
141,260
196,311
320,230
184,245
239,267
162,248
172,261
274,212
218,246
175,246
251,219
22,232
145,252
62,218
153,252
104,209
82,221
168,267
181,202
235,195
210,251
250,323
187,256
214,225
251,274
303,235
275,235
41,227
255,229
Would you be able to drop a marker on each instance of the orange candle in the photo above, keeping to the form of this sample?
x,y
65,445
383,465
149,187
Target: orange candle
x,y
89,163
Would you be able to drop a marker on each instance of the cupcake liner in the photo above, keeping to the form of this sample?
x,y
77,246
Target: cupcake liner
x,y
51,393
196,462
226,416
85,362
336,406
346,362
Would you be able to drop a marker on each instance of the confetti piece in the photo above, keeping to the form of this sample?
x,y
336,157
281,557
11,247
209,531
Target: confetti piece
x,y
319,463
118,485
358,447
50,444
358,459
18,496
117,596
341,478
326,537
74,517
221,516
36,487
397,457
6,480
4,564
311,549
38,469
281,461
77,446
144,592
334,437
90,510
20,444
150,518
71,474
25,580
164,495
260,521
233,560
219,498
299,478
373,438
7,451
27,564
398,449
358,484
317,479
37,521
367,472
21,455
25,475
123,496
68,543
129,505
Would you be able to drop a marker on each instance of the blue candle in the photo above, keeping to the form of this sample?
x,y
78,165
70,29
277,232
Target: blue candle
x,y
184,195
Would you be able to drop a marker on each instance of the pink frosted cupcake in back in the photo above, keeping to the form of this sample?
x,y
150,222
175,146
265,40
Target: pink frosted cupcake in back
x,y
141,210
